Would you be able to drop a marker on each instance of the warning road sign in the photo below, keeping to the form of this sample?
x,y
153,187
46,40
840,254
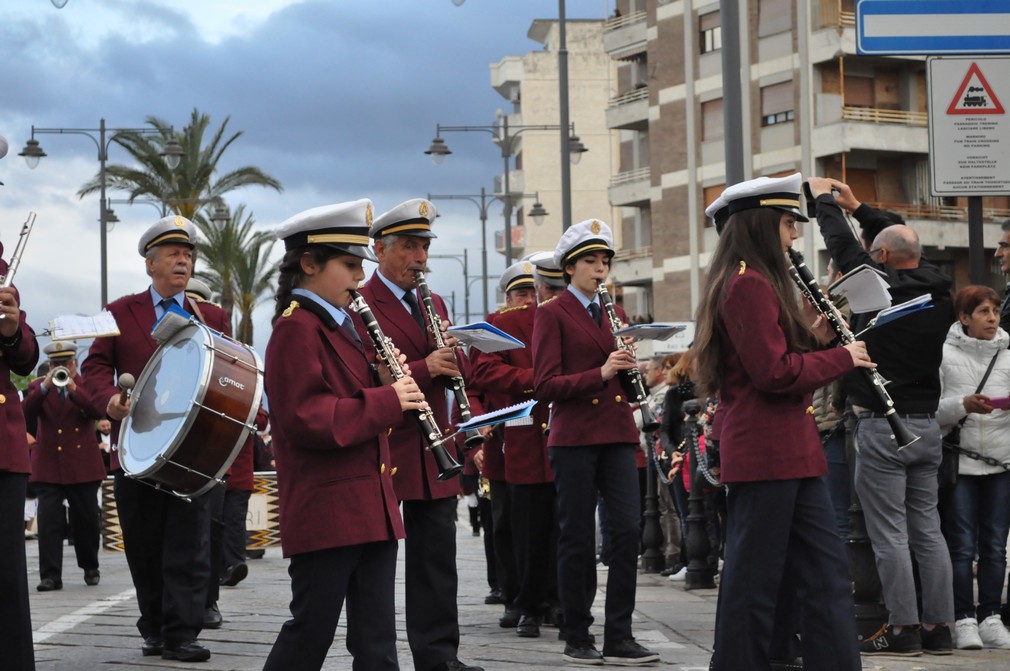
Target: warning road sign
x,y
975,95
969,129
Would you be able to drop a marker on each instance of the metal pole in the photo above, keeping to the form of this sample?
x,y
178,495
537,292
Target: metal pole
x,y
466,286
566,167
732,91
483,243
976,251
101,214
506,152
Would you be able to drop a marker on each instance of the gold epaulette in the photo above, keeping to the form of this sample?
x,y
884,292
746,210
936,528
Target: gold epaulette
x,y
552,298
743,268
291,308
513,308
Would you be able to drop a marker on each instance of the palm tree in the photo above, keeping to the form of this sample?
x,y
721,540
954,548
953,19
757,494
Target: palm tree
x,y
254,275
191,186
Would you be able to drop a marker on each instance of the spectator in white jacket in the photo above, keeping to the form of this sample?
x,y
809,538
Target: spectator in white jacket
x,y
976,515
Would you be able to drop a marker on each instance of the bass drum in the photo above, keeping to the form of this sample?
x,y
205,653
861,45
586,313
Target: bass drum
x,y
191,411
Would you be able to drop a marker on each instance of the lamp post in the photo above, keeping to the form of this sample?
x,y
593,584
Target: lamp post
x,y
506,135
482,201
466,286
32,152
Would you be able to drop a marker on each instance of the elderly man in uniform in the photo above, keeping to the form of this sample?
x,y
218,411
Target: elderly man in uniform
x,y
167,540
66,464
527,468
401,240
19,352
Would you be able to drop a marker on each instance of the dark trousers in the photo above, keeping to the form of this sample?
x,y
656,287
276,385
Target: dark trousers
x,y
579,472
534,534
15,613
364,575
216,505
167,543
431,581
487,525
236,538
84,521
504,549
780,531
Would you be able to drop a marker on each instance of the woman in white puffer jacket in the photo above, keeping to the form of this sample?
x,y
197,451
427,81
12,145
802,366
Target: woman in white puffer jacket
x,y
976,513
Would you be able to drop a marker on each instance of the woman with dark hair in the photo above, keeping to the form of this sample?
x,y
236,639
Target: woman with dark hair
x,y
330,410
759,351
976,514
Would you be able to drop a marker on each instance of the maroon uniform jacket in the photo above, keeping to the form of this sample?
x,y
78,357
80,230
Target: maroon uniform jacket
x,y
130,351
329,418
765,429
417,474
568,351
240,475
21,360
511,371
66,451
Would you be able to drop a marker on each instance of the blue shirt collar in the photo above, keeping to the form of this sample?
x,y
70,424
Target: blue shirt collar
x,y
179,298
396,290
582,299
337,313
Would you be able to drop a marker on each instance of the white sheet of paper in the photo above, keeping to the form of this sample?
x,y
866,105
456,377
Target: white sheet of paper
x,y
498,416
72,327
485,337
651,331
865,288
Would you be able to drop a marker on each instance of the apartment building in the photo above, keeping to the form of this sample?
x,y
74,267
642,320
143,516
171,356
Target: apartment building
x,y
810,104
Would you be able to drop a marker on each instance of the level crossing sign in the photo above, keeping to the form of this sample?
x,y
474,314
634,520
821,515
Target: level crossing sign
x,y
969,129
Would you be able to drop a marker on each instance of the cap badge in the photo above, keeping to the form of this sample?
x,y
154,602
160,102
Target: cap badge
x,y
59,347
595,227
368,216
422,209
528,268
180,222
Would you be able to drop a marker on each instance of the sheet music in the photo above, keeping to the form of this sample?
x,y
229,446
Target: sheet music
x,y
485,337
72,327
650,331
502,415
865,288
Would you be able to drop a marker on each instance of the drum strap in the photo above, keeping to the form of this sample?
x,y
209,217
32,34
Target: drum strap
x,y
196,310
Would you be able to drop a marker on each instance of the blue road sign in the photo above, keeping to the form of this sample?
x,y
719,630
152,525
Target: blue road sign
x,y
932,27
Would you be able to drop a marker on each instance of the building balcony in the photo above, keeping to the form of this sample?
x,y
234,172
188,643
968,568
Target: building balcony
x,y
839,129
518,241
631,188
629,110
834,14
625,36
517,183
923,211
874,115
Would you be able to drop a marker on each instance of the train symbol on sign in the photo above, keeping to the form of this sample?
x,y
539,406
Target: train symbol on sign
x,y
975,97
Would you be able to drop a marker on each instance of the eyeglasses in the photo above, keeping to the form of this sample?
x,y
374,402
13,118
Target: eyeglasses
x,y
875,250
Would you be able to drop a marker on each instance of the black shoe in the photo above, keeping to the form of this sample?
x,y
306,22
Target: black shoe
x,y
494,597
190,651
670,570
212,617
455,665
628,652
255,553
937,641
233,575
151,646
510,619
885,642
583,653
49,585
528,627
91,577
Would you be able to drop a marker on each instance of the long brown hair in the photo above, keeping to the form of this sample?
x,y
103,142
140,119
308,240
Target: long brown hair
x,y
751,236
290,274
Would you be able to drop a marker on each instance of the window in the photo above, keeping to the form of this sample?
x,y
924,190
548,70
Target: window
x,y
711,120
777,104
709,195
710,32
774,16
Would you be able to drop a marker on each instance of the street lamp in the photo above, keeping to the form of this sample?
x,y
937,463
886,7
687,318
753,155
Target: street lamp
x,y
438,150
483,201
466,286
32,152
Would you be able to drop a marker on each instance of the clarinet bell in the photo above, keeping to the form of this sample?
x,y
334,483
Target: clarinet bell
x,y
447,466
473,439
902,436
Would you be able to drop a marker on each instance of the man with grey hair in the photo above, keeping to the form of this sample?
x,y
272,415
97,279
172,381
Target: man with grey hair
x,y
897,485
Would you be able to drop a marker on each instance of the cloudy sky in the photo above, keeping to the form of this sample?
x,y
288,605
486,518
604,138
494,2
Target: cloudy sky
x,y
337,99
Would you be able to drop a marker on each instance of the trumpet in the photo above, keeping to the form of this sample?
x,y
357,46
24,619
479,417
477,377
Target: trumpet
x,y
458,386
631,378
19,249
61,376
447,466
808,286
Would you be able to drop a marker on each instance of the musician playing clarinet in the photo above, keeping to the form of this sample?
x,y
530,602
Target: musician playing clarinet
x,y
330,410
757,349
898,489
167,539
402,237
19,352
592,447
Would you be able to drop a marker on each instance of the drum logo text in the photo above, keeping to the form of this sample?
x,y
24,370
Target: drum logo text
x,y
225,381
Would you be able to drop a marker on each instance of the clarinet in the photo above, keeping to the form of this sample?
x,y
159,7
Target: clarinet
x,y
458,386
447,466
632,377
804,279
19,249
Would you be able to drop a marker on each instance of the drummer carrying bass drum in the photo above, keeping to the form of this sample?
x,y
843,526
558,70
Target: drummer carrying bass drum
x,y
167,540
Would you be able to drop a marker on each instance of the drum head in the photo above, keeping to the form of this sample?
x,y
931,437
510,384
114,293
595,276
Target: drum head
x,y
162,401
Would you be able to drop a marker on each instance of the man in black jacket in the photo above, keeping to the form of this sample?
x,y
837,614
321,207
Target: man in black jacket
x,y
1003,255
897,485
